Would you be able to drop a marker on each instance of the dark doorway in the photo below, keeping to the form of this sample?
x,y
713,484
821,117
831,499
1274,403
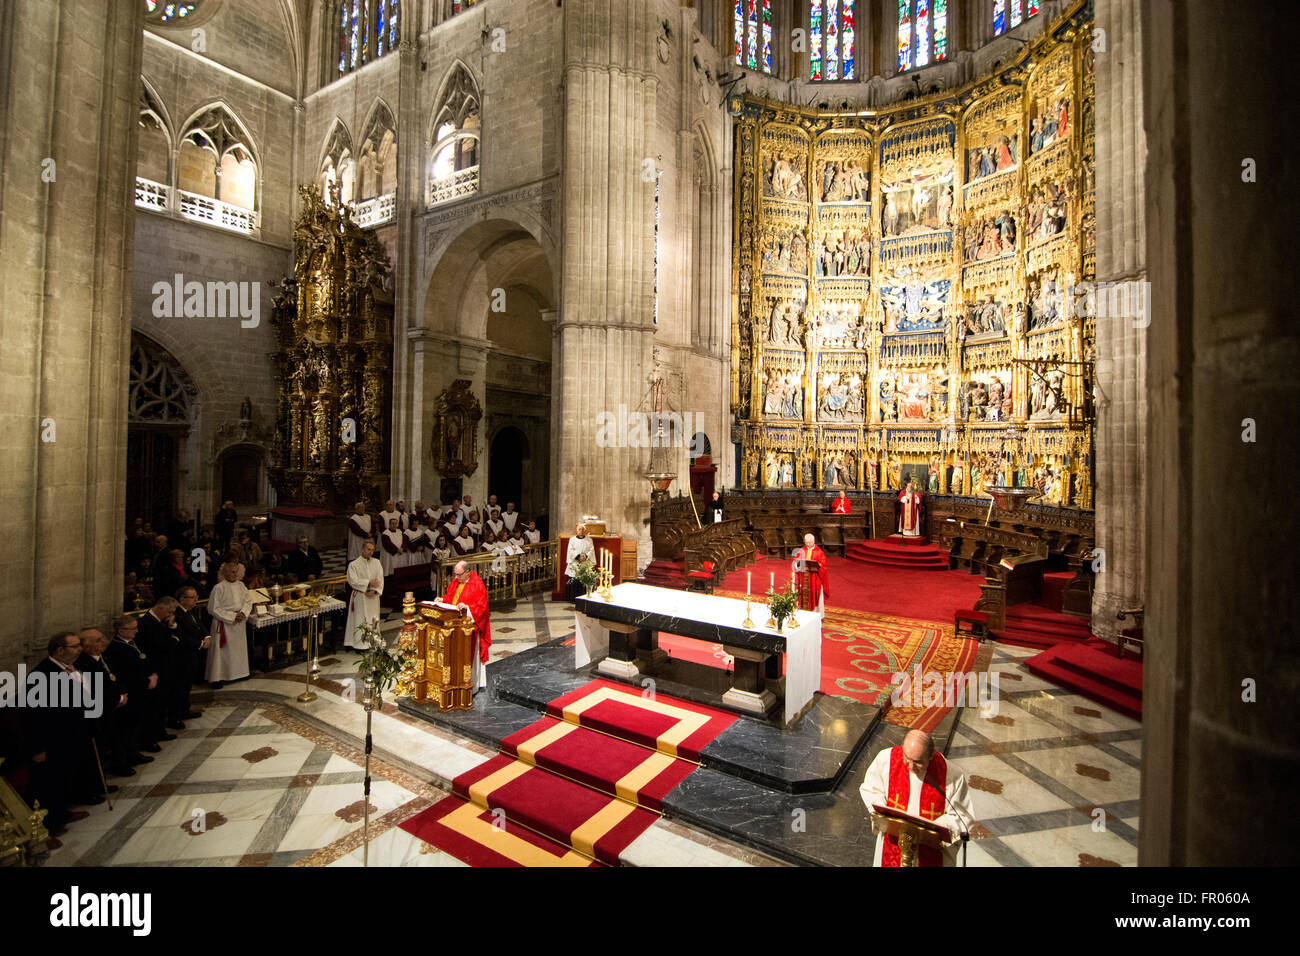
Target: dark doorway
x,y
506,468
240,474
151,475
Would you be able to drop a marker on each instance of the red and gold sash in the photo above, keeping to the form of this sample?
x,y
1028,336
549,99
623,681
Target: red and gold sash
x,y
931,803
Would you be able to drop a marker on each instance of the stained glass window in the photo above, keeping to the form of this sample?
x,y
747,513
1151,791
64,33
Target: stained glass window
x,y
367,30
832,50
1008,14
922,33
752,34
156,12
815,32
904,35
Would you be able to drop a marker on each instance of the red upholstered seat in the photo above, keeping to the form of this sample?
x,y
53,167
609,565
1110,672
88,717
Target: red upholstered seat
x,y
973,624
703,578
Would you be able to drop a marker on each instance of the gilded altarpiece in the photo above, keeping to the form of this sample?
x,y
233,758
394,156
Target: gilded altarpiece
x,y
903,285
334,320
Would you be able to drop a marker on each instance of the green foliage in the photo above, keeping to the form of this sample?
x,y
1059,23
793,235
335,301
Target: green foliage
x,y
586,574
781,602
377,663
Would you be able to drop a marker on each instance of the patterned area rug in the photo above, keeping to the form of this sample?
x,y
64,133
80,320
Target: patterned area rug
x,y
861,652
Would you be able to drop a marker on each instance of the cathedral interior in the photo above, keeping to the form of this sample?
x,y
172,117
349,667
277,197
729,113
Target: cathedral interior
x,y
1018,258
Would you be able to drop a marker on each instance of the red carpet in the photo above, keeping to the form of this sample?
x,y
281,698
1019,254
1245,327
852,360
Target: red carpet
x,y
572,790
1094,671
1032,625
898,552
897,592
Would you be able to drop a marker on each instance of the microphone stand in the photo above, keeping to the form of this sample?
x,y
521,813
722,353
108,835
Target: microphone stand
x,y
965,831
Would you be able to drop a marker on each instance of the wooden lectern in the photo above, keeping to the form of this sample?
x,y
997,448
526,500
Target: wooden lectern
x,y
805,570
445,646
911,832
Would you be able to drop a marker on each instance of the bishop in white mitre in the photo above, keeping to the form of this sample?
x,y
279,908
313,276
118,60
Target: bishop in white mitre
x,y
229,605
365,585
916,780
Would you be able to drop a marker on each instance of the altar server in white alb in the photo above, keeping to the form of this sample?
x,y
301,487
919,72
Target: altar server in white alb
x,y
915,779
360,529
365,585
229,605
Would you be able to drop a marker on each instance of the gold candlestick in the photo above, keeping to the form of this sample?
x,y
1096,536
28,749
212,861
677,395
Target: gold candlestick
x,y
748,622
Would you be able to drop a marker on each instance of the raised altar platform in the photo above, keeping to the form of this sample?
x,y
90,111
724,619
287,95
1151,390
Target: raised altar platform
x,y
790,792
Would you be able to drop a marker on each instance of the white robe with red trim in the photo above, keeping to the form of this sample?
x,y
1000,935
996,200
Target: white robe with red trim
x,y
362,608
228,652
879,786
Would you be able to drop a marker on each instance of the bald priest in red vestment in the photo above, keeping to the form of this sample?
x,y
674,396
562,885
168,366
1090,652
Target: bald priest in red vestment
x,y
467,591
841,505
914,779
817,585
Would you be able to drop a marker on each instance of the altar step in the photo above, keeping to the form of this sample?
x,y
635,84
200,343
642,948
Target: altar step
x,y
665,574
1031,625
576,787
897,551
1054,584
1093,670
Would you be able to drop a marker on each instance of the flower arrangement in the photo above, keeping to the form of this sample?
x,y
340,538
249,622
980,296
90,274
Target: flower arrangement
x,y
586,574
378,667
781,604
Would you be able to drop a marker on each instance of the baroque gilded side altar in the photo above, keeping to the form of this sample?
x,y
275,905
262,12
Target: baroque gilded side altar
x,y
334,358
911,285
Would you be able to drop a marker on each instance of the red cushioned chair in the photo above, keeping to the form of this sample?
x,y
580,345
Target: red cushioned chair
x,y
974,624
702,580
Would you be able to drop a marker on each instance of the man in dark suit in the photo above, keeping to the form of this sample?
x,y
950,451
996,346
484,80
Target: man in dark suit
x,y
160,641
138,672
104,727
57,732
192,634
170,576
304,561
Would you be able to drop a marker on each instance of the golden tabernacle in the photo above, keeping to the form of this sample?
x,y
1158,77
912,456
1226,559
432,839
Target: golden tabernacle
x,y
444,657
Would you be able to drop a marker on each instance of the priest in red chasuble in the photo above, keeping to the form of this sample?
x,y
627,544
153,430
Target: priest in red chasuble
x,y
841,505
916,780
467,591
909,511
813,586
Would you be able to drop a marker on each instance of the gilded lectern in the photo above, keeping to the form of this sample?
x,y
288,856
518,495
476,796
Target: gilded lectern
x,y
445,645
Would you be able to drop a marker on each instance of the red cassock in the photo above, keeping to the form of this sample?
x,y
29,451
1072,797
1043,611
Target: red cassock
x,y
841,506
473,594
901,782
818,584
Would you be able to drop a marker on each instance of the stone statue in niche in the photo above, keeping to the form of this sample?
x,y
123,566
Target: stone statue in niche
x,y
835,401
246,409
993,413
914,304
773,392
792,397
772,470
888,406
783,178
787,471
1046,395
1046,304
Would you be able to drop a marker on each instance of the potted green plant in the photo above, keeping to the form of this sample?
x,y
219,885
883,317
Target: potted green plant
x,y
379,668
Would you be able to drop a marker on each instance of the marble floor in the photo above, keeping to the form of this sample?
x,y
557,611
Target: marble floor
x,y
264,780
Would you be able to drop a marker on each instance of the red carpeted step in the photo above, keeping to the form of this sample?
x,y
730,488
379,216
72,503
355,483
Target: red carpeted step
x,y
591,822
1031,617
1096,673
665,574
478,837
608,764
675,727
890,553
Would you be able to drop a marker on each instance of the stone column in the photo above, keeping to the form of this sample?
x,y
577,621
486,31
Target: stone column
x,y
1219,757
1121,437
606,324
68,125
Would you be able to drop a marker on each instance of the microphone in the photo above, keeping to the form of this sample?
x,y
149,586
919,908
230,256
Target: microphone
x,y
961,820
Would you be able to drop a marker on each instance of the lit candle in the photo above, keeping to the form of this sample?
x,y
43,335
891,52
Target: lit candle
x,y
792,586
771,581
748,575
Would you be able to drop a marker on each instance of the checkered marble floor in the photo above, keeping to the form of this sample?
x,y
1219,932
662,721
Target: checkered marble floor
x,y
334,561
263,780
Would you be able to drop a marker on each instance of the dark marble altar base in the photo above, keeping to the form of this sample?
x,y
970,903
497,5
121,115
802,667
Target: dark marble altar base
x,y
790,793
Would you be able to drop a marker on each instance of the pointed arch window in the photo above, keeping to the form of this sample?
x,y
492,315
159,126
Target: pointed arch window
x,y
217,173
454,160
1009,14
832,40
922,33
753,34
365,30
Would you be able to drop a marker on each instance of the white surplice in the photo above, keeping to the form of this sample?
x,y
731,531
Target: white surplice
x,y
875,790
362,609
355,542
230,662
389,561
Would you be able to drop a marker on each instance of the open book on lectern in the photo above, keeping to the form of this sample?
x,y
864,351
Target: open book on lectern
x,y
899,816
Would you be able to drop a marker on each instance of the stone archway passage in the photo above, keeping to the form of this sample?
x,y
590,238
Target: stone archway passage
x,y
506,464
